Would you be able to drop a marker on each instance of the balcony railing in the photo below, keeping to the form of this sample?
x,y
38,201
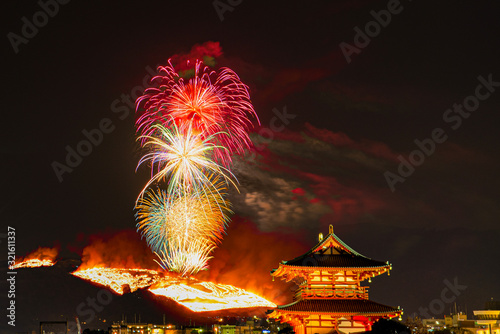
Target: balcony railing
x,y
335,293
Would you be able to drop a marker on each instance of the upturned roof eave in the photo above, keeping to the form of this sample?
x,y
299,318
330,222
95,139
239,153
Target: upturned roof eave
x,y
390,310
321,244
278,271
393,311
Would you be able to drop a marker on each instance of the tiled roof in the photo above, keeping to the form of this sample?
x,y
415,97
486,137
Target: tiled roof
x,y
343,306
334,260
331,251
333,240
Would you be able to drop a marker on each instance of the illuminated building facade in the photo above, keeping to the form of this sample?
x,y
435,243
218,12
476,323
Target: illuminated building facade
x,y
330,297
487,321
141,328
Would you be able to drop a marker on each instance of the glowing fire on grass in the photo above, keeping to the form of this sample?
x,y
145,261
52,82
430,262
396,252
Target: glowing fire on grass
x,y
120,280
42,257
196,295
201,296
33,263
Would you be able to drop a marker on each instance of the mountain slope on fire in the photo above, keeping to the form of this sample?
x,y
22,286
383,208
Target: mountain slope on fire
x,y
53,294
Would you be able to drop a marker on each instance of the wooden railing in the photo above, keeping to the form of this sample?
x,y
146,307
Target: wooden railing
x,y
335,293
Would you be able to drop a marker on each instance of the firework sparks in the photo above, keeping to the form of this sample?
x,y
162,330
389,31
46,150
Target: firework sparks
x,y
191,128
185,255
183,232
183,159
161,219
215,104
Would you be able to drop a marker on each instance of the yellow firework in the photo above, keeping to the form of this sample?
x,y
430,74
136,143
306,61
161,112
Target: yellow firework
x,y
186,256
183,160
172,226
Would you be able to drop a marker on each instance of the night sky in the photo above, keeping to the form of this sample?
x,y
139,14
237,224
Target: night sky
x,y
350,120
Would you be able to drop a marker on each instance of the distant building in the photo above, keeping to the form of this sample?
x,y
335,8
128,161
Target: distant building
x,y
330,296
225,329
432,325
487,321
249,328
142,328
145,328
53,327
452,321
455,320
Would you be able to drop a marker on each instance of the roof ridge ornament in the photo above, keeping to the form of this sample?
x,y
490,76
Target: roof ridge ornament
x,y
330,229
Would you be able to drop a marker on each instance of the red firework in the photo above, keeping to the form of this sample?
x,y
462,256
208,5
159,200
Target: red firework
x,y
214,104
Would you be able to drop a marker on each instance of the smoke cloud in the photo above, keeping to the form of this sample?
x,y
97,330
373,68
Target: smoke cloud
x,y
42,253
247,256
124,249
207,52
304,180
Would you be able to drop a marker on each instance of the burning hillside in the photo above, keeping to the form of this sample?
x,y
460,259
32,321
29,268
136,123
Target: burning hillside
x,y
122,263
245,248
120,280
42,257
201,296
198,296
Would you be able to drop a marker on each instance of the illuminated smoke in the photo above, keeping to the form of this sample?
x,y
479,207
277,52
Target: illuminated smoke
x,y
121,250
247,256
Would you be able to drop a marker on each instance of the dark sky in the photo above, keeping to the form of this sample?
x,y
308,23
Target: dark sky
x,y
351,122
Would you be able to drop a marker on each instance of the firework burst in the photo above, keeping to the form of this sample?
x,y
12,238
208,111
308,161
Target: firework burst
x,y
189,130
183,160
217,105
195,215
186,257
